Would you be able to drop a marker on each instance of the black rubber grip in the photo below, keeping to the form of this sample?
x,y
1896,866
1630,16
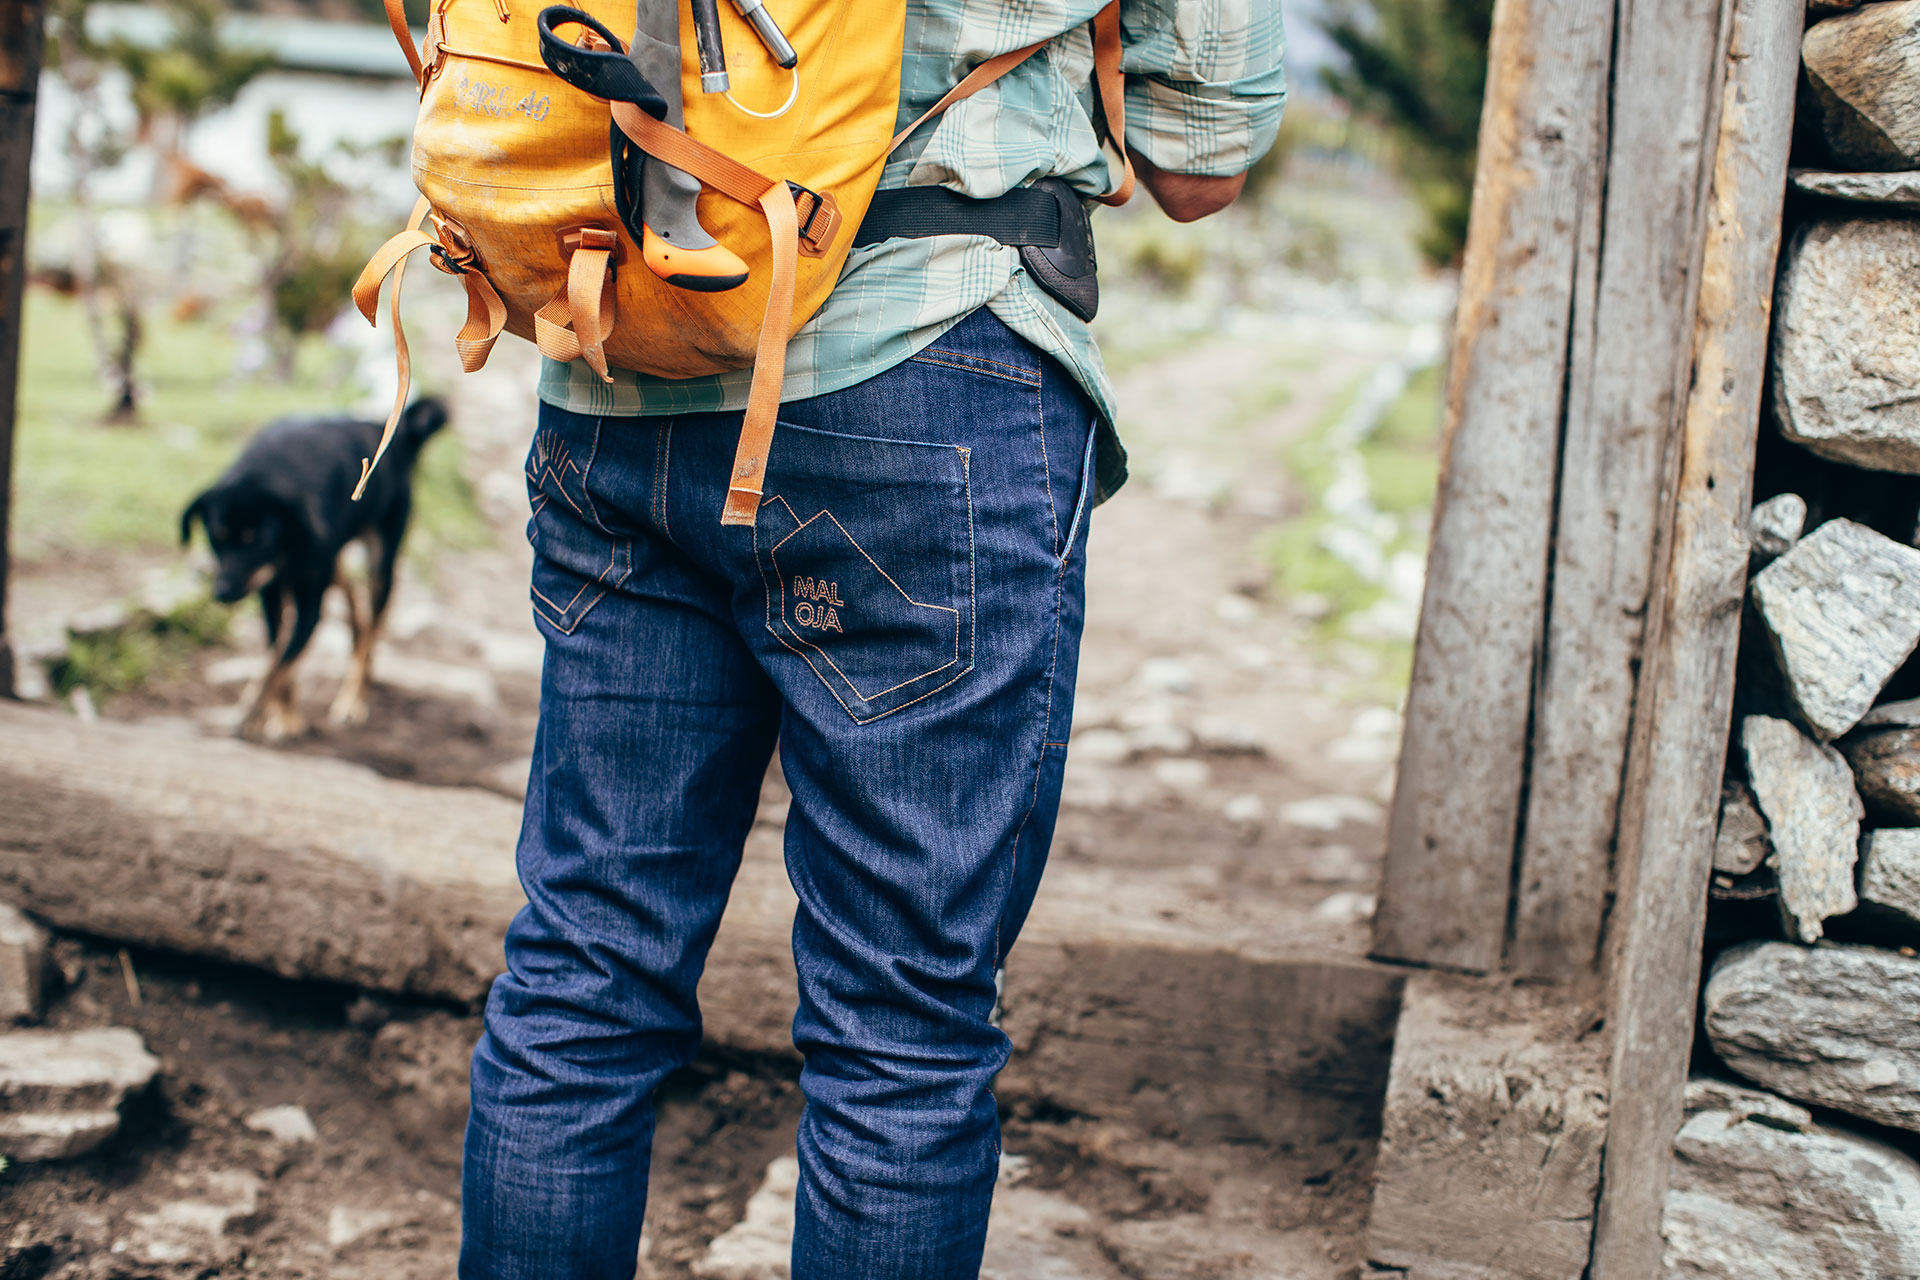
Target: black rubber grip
x,y
604,73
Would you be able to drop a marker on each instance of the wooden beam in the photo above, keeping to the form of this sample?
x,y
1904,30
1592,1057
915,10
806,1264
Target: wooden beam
x,y
1627,386
1686,693
20,52
1456,805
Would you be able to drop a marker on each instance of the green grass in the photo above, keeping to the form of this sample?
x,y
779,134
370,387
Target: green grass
x,y
146,647
1401,458
1402,453
82,485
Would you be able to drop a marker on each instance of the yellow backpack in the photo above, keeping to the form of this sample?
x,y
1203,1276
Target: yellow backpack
x,y
516,169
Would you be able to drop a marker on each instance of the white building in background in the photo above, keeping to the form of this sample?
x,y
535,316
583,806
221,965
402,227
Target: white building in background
x,y
336,82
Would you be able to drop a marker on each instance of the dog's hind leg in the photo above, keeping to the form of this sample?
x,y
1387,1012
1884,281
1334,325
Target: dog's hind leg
x,y
350,703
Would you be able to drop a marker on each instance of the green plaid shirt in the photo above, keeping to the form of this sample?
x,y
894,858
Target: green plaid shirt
x,y
1204,94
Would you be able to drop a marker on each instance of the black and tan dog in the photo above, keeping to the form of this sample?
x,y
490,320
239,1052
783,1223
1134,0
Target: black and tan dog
x,y
279,519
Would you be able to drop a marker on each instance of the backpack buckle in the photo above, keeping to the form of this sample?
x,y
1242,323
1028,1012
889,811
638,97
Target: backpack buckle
x,y
455,253
819,215
589,236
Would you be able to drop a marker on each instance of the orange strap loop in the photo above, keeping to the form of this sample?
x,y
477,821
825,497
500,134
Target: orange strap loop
x,y
556,328
486,313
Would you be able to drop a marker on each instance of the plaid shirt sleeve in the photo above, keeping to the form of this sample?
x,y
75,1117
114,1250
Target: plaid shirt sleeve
x,y
1205,85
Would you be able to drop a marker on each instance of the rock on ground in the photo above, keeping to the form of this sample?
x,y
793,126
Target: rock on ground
x,y
1775,525
1861,188
23,966
1864,68
1842,613
1846,341
760,1245
1759,1190
1886,769
1032,1235
1831,1025
61,1091
287,1123
1191,1246
194,1229
1741,844
1813,816
1890,877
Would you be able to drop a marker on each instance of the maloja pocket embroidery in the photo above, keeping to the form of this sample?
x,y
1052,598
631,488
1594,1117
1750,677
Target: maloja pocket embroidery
x,y
874,642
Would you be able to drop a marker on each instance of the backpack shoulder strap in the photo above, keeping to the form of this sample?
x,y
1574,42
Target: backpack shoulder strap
x,y
397,19
1109,85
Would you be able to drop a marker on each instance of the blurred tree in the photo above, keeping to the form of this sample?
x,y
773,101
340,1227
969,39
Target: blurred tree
x,y
172,85
175,83
92,144
315,247
1420,66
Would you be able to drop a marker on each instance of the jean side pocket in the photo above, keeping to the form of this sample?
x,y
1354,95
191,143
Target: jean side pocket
x,y
575,561
1083,504
865,547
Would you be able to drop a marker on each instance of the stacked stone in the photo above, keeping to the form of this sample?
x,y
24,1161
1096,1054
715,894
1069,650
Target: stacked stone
x,y
1813,1172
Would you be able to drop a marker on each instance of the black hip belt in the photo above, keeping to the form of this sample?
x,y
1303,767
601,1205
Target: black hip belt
x,y
1047,222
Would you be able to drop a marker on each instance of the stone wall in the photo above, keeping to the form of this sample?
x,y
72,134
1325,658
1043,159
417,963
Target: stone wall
x,y
1807,1167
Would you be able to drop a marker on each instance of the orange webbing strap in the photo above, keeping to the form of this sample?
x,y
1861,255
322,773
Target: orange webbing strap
x,y
976,80
486,317
775,199
769,363
590,302
391,259
555,328
397,19
1108,80
1112,88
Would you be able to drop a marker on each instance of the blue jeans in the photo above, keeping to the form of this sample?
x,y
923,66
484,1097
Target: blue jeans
x,y
904,620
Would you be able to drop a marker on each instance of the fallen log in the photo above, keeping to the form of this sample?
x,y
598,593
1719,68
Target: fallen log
x,y
307,867
317,869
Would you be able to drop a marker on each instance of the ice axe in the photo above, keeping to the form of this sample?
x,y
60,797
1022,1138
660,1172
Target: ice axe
x,y
673,244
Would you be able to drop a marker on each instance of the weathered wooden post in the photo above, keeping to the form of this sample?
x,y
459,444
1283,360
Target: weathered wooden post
x,y
1572,686
20,46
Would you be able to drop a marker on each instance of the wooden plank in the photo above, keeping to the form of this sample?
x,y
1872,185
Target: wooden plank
x,y
20,51
1681,723
1631,368
1456,805
1204,1042
1495,1117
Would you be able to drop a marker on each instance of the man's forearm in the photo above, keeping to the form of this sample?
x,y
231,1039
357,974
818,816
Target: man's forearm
x,y
1186,196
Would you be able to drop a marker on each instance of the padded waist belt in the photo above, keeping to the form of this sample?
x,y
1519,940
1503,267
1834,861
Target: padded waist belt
x,y
1046,221
1025,215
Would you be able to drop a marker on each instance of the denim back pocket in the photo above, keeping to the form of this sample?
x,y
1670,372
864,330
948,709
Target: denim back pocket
x,y
575,560
866,550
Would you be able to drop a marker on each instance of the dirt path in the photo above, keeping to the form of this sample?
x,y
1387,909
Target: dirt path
x,y
1227,773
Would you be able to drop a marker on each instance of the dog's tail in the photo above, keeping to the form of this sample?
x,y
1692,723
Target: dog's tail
x,y
423,417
